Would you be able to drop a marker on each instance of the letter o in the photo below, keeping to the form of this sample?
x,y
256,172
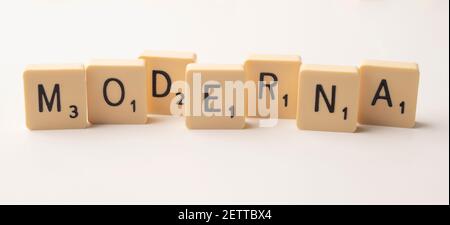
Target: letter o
x,y
105,93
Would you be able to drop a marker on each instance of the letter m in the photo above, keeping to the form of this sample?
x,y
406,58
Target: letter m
x,y
49,103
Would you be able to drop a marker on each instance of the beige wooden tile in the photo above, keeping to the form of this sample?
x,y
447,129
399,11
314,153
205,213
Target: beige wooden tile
x,y
208,107
281,68
328,98
164,68
117,92
388,93
55,96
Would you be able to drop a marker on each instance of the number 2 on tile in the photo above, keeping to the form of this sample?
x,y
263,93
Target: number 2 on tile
x,y
180,97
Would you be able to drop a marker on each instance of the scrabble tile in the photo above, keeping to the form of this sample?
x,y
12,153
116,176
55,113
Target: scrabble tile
x,y
117,91
209,106
388,93
328,98
163,69
269,68
55,97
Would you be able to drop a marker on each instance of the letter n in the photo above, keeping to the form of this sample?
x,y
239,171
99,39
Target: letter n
x,y
330,105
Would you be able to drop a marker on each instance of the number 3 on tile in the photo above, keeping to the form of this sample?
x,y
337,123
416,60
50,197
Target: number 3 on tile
x,y
74,113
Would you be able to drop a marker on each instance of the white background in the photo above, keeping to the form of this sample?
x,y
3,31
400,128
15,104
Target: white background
x,y
163,162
